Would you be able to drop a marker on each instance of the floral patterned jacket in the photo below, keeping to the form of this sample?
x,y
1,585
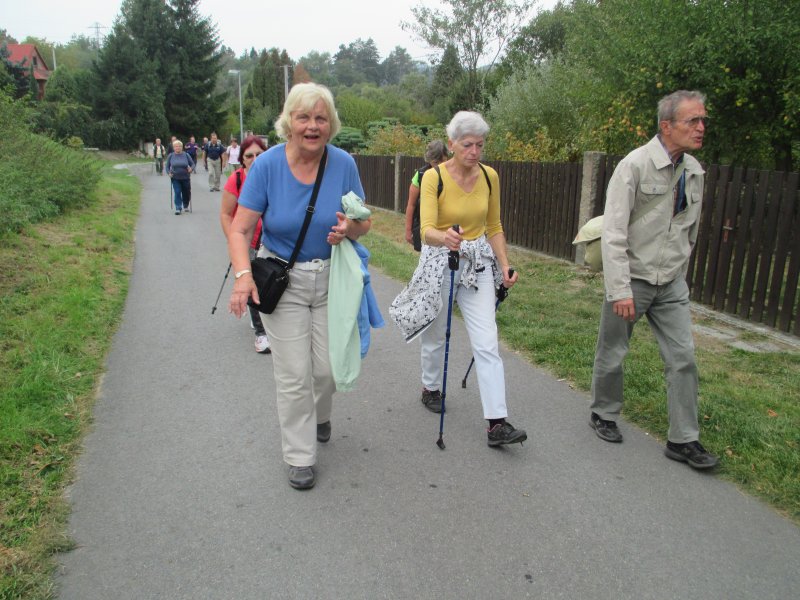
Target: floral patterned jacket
x,y
418,305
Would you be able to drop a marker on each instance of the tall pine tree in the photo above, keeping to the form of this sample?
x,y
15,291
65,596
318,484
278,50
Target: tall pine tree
x,y
191,106
156,74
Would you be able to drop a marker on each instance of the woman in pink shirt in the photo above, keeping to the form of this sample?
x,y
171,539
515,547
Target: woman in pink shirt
x,y
251,147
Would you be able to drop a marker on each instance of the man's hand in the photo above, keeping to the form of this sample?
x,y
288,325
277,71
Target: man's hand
x,y
625,309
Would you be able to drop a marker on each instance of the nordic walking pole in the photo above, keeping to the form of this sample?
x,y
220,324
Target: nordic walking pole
x,y
224,279
452,262
502,294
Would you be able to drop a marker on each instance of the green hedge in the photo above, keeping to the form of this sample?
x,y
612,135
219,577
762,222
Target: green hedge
x,y
39,178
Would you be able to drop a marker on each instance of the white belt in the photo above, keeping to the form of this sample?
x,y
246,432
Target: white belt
x,y
318,264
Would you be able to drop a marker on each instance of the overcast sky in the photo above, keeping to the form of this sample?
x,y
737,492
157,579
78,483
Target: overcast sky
x,y
299,27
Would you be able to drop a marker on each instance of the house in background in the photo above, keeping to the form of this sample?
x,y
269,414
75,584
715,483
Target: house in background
x,y
26,55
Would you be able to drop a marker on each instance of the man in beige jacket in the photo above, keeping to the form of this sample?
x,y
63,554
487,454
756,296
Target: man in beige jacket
x,y
645,261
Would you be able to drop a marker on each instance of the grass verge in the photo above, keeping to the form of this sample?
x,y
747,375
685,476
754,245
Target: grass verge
x,y
62,291
749,402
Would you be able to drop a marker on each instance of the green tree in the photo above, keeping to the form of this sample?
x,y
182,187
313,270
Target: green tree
x,y
128,100
744,56
320,66
357,62
268,78
79,53
355,111
17,75
477,29
448,91
157,74
193,66
543,38
596,86
396,66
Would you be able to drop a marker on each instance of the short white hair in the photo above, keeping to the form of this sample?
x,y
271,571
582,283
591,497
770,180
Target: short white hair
x,y
466,123
303,96
668,105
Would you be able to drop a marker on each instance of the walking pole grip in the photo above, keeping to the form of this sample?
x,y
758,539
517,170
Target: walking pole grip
x,y
452,256
502,291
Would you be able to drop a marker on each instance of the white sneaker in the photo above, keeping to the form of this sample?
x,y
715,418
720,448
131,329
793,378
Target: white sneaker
x,y
262,344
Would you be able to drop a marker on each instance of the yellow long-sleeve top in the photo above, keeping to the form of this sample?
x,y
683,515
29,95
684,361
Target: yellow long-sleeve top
x,y
477,212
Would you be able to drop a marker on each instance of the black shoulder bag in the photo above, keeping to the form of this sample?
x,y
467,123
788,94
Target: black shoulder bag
x,y
271,274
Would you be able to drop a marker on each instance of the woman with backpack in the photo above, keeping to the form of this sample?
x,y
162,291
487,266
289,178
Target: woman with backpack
x,y
435,153
251,147
460,212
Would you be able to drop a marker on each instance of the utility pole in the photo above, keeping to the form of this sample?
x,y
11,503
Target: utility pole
x,y
97,27
285,82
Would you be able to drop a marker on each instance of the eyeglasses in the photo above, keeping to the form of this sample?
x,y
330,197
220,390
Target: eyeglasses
x,y
252,154
694,121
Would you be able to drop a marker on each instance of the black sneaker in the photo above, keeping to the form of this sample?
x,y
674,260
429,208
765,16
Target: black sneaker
x,y
605,430
504,433
692,453
432,400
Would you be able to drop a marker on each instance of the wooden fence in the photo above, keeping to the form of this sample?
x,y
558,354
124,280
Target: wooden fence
x,y
747,259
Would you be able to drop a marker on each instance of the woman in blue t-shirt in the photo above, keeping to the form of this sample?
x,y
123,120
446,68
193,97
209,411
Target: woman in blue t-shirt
x,y
278,190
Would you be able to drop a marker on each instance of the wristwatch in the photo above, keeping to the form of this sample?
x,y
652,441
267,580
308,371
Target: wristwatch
x,y
240,273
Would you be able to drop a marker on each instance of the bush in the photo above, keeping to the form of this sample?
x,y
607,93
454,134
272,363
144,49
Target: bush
x,y
410,140
350,139
39,178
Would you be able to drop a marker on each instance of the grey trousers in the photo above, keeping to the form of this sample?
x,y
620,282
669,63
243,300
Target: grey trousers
x,y
667,310
214,172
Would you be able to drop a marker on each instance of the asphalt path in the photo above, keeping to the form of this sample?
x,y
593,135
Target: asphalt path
x,y
181,491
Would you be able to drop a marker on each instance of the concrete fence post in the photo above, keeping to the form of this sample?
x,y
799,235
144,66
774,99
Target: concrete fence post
x,y
397,182
590,194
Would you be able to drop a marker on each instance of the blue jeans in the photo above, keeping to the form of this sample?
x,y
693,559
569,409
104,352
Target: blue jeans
x,y
182,189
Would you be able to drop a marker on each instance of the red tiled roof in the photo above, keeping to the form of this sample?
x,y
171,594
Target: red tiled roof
x,y
24,54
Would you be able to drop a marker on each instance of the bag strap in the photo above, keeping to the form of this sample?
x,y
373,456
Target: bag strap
x,y
651,205
310,209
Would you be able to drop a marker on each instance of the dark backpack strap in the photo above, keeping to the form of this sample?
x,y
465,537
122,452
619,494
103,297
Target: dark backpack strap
x,y
486,175
439,187
238,181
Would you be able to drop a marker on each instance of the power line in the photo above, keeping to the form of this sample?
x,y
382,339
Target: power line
x,y
97,27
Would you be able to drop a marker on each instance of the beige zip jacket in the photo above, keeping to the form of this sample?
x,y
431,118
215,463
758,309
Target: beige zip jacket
x,y
657,247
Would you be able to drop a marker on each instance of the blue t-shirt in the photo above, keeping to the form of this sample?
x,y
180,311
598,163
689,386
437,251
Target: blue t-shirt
x,y
272,190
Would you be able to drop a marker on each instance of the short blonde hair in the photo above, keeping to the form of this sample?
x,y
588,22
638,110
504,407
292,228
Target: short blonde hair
x,y
177,143
303,96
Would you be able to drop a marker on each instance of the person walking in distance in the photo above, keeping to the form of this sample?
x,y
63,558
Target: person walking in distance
x,y
232,155
179,167
645,262
159,154
213,156
435,153
191,149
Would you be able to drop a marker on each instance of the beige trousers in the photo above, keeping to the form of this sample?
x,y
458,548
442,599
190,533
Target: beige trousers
x,y
298,334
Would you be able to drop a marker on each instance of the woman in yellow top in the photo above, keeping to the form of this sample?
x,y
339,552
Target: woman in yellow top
x,y
470,197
